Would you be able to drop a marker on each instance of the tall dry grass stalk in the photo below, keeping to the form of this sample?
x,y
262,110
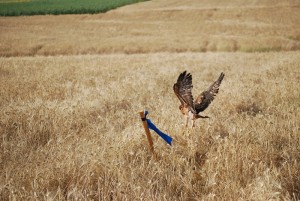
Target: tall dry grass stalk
x,y
70,128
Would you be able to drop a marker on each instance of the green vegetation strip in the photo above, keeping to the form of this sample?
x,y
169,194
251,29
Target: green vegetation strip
x,y
57,7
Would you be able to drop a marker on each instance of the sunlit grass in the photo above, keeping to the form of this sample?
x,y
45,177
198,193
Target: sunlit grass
x,y
72,87
71,129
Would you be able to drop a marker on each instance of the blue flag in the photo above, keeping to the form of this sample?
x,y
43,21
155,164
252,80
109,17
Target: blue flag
x,y
164,136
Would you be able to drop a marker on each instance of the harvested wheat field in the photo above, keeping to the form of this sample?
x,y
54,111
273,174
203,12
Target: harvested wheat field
x,y
72,87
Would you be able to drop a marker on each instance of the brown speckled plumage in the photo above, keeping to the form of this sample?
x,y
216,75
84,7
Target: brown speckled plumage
x,y
189,107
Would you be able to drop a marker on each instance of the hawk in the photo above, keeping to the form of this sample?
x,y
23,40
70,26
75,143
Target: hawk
x,y
189,107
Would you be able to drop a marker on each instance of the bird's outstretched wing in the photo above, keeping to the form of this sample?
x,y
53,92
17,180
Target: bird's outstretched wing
x,y
206,97
183,89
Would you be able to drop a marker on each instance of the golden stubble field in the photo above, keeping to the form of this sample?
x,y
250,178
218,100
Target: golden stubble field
x,y
159,26
69,123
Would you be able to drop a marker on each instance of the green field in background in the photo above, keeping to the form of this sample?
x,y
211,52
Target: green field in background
x,y
56,7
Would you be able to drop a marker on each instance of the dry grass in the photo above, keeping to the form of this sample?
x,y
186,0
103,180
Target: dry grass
x,y
69,124
70,128
158,26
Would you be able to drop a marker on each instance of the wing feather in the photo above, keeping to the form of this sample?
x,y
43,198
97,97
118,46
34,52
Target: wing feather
x,y
206,97
183,89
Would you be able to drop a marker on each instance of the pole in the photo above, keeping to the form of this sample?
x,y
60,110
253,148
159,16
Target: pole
x,y
142,114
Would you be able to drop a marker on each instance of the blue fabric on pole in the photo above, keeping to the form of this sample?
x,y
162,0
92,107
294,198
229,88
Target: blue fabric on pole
x,y
167,138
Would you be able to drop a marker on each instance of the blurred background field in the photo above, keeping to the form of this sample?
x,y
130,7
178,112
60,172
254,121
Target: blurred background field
x,y
158,26
72,87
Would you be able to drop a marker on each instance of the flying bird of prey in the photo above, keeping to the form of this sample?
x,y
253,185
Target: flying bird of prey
x,y
189,107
